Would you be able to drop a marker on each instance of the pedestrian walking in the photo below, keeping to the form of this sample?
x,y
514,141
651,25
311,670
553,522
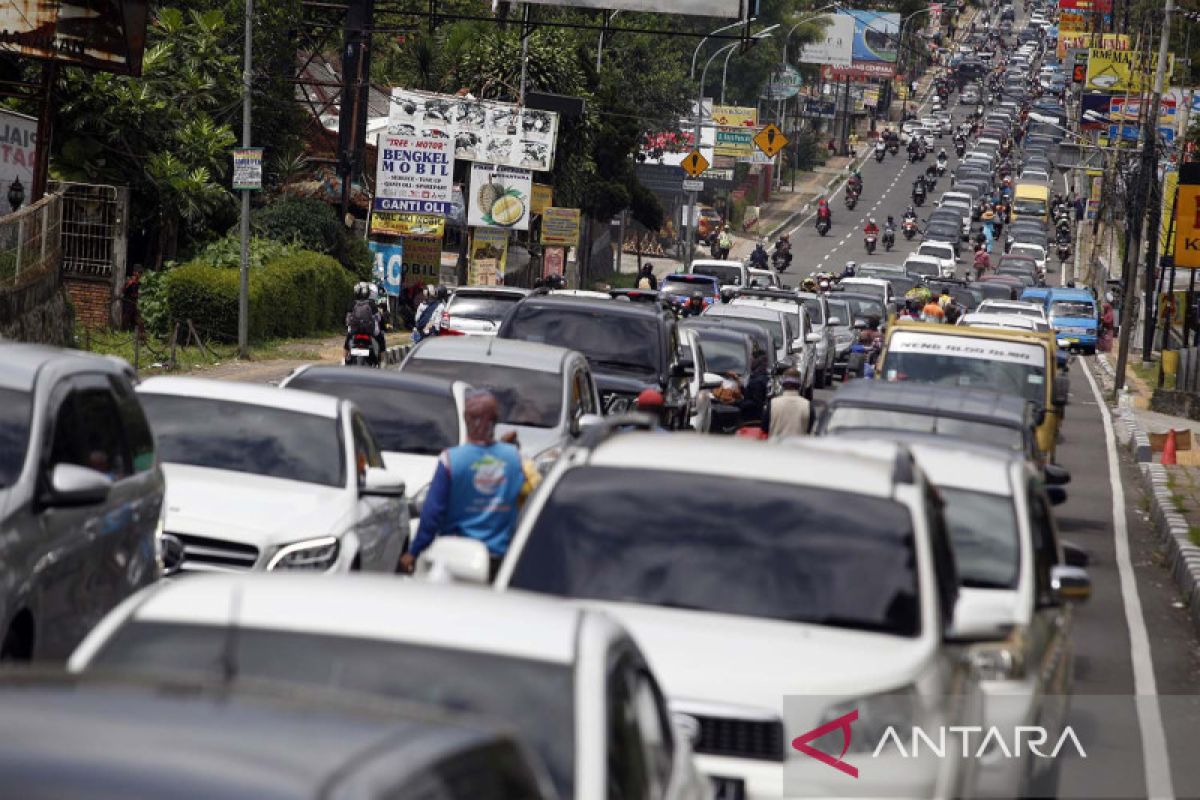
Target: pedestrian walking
x,y
724,243
1107,323
646,279
476,488
129,301
789,413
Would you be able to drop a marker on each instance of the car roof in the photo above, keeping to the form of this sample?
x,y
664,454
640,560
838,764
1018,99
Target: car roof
x,y
515,292
568,303
512,353
511,624
1056,293
376,378
985,319
299,401
21,362
717,262
959,464
92,736
747,311
933,400
824,462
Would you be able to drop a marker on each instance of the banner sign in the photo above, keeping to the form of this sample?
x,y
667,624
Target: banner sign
x,y
724,9
734,143
18,139
500,197
422,260
389,265
247,169
860,71
1118,71
489,252
478,130
1100,105
414,175
837,46
554,261
1076,40
1069,21
541,198
108,36
560,226
1187,218
388,224
783,85
735,116
876,36
1129,109
1103,6
819,108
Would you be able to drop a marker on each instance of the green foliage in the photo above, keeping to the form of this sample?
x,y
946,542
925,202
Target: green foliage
x,y
152,302
290,296
226,252
313,225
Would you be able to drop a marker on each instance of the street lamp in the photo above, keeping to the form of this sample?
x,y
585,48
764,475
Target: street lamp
x,y
696,52
608,20
725,71
16,195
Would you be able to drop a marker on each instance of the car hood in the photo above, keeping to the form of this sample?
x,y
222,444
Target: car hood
x,y
622,382
739,660
416,468
251,509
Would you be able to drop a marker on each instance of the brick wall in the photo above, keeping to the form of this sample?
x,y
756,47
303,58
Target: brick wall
x,y
92,300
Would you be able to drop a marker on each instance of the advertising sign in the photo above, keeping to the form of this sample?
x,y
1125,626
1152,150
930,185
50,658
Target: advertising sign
x,y
1129,109
1187,218
725,9
500,197
734,143
422,260
784,84
414,175
1103,6
560,227
876,36
735,116
1117,71
837,46
478,130
18,137
1069,21
1076,40
861,71
388,224
108,36
554,261
489,252
389,265
247,168
541,198
819,108
1100,105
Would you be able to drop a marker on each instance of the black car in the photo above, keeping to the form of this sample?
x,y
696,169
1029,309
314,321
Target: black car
x,y
948,231
630,346
87,737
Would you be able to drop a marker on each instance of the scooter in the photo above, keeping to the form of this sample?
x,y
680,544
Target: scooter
x,y
893,146
781,260
851,199
889,239
941,167
364,351
879,154
918,196
909,228
1064,251
823,225
869,241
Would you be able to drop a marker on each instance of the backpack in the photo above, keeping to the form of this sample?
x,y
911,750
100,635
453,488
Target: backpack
x,y
362,318
644,283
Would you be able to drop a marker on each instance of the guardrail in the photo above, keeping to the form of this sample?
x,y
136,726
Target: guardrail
x,y
30,242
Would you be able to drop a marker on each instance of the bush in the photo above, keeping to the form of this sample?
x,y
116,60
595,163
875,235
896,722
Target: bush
x,y
226,252
313,225
293,295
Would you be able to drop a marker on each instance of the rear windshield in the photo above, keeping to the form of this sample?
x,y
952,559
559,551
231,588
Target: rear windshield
x,y
671,285
802,554
534,697
722,355
15,409
1072,308
1033,208
240,437
491,308
622,342
727,274
526,396
844,418
403,421
772,328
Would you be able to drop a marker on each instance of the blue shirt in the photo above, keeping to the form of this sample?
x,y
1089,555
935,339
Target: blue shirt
x,y
474,494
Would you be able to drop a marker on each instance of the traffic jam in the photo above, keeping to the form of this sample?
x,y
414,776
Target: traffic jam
x,y
821,521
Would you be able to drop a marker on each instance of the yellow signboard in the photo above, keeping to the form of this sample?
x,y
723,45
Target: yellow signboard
x,y
1187,226
393,224
770,140
695,163
560,226
1115,71
1166,232
1082,40
489,252
541,198
422,260
735,116
1069,22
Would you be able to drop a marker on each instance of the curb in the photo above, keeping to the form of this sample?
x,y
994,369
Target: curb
x,y
1183,557
1128,430
394,355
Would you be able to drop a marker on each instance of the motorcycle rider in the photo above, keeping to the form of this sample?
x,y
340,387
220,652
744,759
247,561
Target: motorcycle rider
x,y
759,258
363,320
870,229
855,183
823,210
918,191
783,252
889,232
429,314
848,270
880,149
941,160
694,307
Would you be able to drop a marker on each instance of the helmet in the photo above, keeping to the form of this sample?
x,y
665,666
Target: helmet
x,y
809,284
727,295
850,265
698,296
650,400
785,237
442,293
362,291
870,220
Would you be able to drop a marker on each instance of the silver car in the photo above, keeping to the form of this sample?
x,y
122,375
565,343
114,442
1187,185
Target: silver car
x,y
81,495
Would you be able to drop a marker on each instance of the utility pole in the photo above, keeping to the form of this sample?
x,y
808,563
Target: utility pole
x,y
1150,153
1146,173
244,277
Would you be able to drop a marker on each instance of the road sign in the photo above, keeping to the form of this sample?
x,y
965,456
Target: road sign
x,y
1187,218
770,140
695,163
693,186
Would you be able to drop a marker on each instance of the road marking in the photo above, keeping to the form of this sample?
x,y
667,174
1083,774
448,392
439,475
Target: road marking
x,y
1157,764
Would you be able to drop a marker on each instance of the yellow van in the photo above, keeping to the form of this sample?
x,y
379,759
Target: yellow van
x,y
1031,200
1014,362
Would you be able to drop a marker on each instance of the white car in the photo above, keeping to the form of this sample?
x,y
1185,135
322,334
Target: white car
x,y
808,311
943,252
764,278
730,274
260,478
1035,176
924,266
1019,307
479,310
1034,251
734,618
873,286
572,683
795,346
1015,599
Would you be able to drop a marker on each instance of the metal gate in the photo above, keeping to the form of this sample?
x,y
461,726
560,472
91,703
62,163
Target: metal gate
x,y
93,229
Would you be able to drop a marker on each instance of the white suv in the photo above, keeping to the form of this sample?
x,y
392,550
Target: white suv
x,y
750,572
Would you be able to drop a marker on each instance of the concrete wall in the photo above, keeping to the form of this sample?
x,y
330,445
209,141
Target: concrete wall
x,y
38,311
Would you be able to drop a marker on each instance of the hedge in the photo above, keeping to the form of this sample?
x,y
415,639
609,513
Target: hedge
x,y
294,295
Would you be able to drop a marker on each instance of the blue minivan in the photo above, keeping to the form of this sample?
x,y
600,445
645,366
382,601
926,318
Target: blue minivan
x,y
1072,314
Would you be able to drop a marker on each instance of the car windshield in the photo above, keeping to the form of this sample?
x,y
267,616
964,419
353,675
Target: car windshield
x,y
862,308
983,532
815,313
622,342
241,437
685,288
526,396
1072,308
1009,367
15,409
1033,208
722,355
772,328
403,421
843,418
922,268
534,697
727,274
803,554
840,310
481,306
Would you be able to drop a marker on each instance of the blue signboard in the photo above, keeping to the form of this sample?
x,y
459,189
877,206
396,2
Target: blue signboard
x,y
876,35
389,265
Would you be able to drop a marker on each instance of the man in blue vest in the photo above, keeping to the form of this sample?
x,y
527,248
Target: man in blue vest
x,y
476,488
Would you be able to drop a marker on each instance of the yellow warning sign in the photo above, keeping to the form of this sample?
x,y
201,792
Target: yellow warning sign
x,y
770,140
695,163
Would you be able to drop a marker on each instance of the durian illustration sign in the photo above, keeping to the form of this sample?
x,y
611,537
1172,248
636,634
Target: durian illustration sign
x,y
500,197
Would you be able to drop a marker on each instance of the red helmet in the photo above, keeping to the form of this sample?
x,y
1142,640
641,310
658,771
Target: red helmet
x,y
650,400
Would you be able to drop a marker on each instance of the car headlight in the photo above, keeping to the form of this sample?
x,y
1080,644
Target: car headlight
x,y
898,709
311,555
417,503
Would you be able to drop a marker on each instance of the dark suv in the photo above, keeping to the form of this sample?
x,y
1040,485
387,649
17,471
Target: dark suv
x,y
630,347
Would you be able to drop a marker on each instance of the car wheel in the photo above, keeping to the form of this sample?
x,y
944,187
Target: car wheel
x,y
18,642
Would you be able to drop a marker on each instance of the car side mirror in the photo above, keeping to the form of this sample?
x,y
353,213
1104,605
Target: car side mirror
x,y
711,381
455,559
381,482
835,321
73,485
1054,475
1057,495
1070,584
813,338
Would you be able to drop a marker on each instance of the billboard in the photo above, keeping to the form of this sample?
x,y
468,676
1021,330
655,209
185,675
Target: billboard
x,y
1103,6
414,175
735,116
1117,71
108,35
1187,218
18,140
500,197
837,46
725,9
876,36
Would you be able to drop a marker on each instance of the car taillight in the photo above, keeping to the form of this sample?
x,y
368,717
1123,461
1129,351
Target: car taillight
x,y
450,332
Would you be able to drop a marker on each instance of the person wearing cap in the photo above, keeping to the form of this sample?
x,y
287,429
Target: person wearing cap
x,y
789,412
476,488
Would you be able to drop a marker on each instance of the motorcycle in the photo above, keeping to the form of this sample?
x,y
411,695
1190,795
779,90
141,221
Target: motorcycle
x,y
909,228
364,351
893,146
889,239
918,196
941,167
851,199
781,259
822,225
1064,251
879,154
869,241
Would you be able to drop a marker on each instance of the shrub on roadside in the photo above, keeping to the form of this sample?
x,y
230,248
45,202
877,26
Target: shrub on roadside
x,y
314,225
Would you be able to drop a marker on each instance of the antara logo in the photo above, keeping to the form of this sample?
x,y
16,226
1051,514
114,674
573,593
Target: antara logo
x,y
841,723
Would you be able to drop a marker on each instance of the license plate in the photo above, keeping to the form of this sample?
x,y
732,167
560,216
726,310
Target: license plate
x,y
727,788
360,353
1072,340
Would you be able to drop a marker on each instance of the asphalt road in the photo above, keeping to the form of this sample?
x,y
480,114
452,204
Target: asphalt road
x,y
1134,644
